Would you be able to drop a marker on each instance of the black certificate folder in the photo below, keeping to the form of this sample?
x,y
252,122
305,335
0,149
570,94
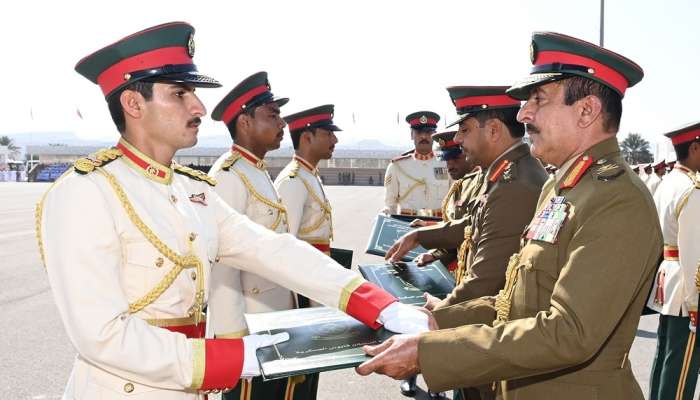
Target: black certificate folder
x,y
385,232
320,339
407,281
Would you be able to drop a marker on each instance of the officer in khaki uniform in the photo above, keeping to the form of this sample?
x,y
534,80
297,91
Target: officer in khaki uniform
x,y
299,184
674,293
490,229
500,207
465,176
416,182
129,239
562,326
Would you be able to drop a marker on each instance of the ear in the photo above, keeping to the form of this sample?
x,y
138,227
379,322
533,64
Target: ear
x,y
132,103
243,122
589,109
493,129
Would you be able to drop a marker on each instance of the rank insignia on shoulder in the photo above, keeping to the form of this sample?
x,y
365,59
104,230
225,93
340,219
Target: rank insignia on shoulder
x,y
101,158
200,198
608,170
582,164
230,161
500,169
194,174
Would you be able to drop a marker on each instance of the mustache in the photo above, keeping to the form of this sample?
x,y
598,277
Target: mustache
x,y
424,141
194,122
532,129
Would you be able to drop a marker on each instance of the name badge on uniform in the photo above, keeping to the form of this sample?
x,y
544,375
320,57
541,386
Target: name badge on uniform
x,y
440,173
547,223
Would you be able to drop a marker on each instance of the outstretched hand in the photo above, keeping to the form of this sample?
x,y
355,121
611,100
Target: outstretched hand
x,y
402,246
397,357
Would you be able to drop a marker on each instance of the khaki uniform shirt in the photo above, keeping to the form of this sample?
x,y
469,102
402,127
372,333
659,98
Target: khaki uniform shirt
x,y
415,185
308,209
678,294
244,183
129,248
563,324
502,207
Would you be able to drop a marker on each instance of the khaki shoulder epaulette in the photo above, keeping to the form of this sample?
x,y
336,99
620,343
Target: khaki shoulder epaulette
x,y
194,174
228,163
607,170
99,159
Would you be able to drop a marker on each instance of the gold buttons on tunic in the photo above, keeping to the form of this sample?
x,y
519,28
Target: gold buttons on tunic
x,y
173,198
255,290
129,387
194,276
159,262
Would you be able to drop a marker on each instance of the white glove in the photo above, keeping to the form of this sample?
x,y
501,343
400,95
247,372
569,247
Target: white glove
x,y
251,343
402,318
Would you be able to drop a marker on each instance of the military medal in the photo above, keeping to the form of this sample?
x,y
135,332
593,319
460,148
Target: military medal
x,y
548,221
199,198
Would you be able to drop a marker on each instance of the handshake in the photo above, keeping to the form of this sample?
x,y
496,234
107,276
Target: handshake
x,y
396,317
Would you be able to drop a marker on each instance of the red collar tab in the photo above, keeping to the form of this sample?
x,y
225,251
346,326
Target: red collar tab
x,y
423,157
237,106
484,102
305,164
499,170
248,156
577,171
147,166
307,121
686,137
594,68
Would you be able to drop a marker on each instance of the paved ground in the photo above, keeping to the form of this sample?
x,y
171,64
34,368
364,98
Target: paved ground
x,y
35,354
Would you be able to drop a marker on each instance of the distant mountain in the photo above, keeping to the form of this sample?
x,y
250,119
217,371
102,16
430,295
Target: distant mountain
x,y
365,144
54,138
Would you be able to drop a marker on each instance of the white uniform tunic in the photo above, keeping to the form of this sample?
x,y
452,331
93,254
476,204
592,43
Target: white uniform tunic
x,y
415,184
129,247
308,209
678,294
244,183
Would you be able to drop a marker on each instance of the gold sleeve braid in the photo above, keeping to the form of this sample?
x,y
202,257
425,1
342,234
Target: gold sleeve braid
x,y
503,298
281,210
181,262
416,183
446,200
462,254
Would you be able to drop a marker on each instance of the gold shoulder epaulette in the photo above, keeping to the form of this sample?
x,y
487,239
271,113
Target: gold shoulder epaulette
x,y
401,157
230,161
194,174
99,159
294,171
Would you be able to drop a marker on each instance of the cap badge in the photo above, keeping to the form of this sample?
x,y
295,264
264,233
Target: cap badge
x,y
423,119
441,142
190,45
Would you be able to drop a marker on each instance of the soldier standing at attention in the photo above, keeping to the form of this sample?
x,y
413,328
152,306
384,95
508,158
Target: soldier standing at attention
x,y
491,227
299,184
129,239
563,324
416,182
674,293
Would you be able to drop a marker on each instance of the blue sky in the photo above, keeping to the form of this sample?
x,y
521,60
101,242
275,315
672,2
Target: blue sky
x,y
371,58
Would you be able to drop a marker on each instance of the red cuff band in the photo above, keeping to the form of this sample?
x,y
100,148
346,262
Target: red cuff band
x,y
366,302
224,363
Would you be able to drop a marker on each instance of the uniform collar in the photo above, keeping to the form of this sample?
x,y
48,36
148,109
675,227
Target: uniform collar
x,y
512,153
423,157
682,168
248,156
145,165
599,153
307,165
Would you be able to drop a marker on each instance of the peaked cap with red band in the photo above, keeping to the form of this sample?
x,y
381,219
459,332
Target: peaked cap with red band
x,y
449,149
317,117
686,133
472,99
162,53
555,56
421,120
253,91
